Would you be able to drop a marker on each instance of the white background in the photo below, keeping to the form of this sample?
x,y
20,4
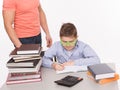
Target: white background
x,y
97,22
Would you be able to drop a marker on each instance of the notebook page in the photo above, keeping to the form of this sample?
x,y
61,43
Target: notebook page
x,y
72,69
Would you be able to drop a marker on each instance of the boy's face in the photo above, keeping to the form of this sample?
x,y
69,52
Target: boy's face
x,y
68,42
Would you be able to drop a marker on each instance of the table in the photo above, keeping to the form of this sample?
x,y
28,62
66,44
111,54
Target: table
x,y
49,76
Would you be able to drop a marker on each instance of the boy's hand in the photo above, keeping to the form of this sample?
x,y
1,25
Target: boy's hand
x,y
69,63
57,66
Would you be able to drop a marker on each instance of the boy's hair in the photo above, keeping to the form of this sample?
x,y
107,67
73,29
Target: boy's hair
x,y
68,30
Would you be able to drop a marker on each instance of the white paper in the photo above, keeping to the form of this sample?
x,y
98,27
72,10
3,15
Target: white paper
x,y
72,69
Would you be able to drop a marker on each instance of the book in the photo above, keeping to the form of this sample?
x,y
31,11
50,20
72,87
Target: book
x,y
69,81
68,69
25,69
25,58
9,82
14,54
100,71
105,80
29,49
21,76
29,63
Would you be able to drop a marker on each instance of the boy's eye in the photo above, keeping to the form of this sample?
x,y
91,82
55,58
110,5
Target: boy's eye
x,y
65,41
68,41
71,41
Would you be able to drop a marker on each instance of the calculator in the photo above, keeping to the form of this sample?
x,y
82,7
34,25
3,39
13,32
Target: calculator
x,y
69,81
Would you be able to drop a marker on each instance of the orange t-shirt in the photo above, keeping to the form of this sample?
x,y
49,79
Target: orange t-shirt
x,y
26,21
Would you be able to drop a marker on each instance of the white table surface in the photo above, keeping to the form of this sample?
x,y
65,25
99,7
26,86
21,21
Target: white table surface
x,y
49,76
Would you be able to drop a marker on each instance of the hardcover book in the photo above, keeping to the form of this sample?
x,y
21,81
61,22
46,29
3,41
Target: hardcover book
x,y
29,63
105,80
23,58
8,82
21,76
29,49
100,71
26,69
15,55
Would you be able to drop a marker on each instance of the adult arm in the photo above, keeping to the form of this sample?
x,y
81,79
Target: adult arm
x,y
43,23
8,17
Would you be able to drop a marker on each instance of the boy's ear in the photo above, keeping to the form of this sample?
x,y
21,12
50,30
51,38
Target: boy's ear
x,y
60,38
77,36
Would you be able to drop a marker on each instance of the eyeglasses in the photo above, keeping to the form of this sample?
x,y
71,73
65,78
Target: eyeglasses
x,y
68,43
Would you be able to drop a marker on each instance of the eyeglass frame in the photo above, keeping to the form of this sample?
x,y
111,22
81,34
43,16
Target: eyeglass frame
x,y
68,43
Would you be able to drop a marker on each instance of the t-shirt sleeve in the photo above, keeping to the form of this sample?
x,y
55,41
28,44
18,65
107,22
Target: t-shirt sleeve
x,y
9,5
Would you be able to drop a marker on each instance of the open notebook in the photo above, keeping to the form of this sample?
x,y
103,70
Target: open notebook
x,y
72,69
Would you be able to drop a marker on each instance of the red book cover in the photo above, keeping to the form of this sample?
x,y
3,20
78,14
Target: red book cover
x,y
8,82
17,78
20,76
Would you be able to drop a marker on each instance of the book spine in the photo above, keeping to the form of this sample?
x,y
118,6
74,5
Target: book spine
x,y
89,75
22,81
91,71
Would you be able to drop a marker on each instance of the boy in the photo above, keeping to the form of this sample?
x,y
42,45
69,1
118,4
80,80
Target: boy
x,y
69,50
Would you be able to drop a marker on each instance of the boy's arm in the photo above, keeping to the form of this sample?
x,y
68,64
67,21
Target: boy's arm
x,y
47,59
89,57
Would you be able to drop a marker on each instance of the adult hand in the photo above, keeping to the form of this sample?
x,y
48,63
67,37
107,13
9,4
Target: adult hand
x,y
57,66
49,40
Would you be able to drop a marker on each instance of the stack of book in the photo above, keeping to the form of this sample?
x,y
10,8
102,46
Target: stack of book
x,y
24,64
102,73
